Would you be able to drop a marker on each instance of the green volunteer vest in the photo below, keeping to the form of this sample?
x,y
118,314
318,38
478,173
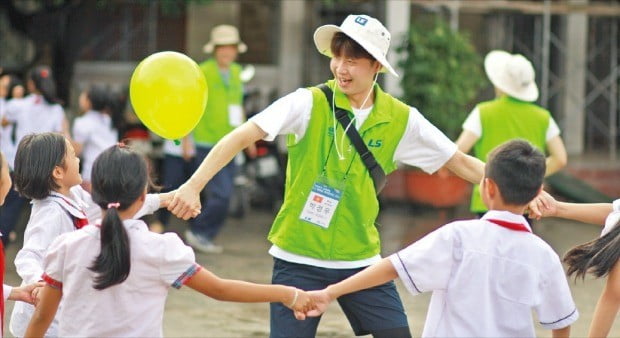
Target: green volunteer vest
x,y
352,234
214,123
504,119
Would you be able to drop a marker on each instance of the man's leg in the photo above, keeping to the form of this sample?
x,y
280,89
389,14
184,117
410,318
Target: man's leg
x,y
305,277
377,311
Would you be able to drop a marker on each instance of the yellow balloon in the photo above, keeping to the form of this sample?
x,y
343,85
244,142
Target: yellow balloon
x,y
168,92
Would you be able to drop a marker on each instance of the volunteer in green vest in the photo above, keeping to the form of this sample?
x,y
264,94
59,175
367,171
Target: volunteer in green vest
x,y
223,113
325,230
512,114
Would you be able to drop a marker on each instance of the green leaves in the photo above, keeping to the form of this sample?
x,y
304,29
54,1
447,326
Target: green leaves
x,y
442,74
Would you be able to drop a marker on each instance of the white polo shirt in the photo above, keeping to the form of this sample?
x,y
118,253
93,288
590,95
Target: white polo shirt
x,y
48,220
486,279
94,131
133,308
32,114
613,219
422,145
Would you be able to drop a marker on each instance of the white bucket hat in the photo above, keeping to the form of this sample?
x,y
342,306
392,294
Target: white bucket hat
x,y
224,35
367,31
512,73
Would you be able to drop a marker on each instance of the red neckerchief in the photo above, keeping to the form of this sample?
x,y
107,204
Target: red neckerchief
x,y
509,225
78,216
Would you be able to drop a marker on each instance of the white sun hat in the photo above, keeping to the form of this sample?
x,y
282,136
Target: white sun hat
x,y
224,35
512,73
367,31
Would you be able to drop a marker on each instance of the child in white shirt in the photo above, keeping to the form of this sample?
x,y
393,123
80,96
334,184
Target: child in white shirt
x,y
94,131
121,272
486,275
598,257
46,171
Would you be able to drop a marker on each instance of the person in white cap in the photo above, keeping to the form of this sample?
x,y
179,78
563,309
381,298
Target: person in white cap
x,y
222,114
512,114
325,230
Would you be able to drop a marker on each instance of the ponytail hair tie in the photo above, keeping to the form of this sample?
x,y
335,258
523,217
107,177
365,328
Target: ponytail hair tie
x,y
44,73
114,205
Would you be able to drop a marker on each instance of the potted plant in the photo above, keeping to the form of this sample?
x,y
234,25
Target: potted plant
x,y
442,74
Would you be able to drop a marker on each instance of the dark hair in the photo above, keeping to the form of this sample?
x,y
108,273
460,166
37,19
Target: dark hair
x,y
117,103
37,156
597,257
14,81
343,45
119,176
98,96
518,169
43,81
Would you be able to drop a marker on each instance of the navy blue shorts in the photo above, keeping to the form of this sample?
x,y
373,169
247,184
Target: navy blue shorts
x,y
378,311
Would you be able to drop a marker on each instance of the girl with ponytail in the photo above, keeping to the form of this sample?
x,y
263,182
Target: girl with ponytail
x,y
122,272
598,257
47,172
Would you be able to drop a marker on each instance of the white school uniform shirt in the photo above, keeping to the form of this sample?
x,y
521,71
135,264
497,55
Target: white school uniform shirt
x,y
613,219
486,279
32,114
133,308
49,218
422,145
94,131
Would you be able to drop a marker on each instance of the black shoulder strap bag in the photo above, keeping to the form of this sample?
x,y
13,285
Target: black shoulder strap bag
x,y
375,170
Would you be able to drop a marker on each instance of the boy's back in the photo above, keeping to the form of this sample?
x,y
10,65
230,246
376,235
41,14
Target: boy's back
x,y
486,278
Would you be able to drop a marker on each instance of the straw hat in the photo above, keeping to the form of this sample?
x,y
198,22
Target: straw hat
x,y
513,74
224,35
367,31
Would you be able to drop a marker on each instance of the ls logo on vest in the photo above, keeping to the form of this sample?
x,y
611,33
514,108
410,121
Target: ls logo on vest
x,y
375,143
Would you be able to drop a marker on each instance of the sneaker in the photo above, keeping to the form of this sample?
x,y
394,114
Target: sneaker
x,y
201,244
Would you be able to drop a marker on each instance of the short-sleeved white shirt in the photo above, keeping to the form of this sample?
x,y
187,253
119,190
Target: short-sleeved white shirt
x,y
48,220
94,131
473,124
133,308
32,114
613,219
422,145
486,279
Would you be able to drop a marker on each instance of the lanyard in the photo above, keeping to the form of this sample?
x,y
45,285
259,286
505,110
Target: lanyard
x,y
509,225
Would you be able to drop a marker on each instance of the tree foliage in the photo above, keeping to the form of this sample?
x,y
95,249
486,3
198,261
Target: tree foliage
x,y
442,73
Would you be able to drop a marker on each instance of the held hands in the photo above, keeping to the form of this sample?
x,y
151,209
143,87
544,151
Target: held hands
x,y
26,293
185,202
318,302
543,205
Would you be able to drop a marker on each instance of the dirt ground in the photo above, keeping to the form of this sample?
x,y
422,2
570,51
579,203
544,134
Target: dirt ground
x,y
189,314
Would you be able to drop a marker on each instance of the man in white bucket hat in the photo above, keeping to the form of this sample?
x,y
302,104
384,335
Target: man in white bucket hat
x,y
223,113
325,230
512,114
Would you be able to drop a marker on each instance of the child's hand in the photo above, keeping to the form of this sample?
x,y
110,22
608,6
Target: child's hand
x,y
26,293
186,202
301,303
543,205
321,300
166,198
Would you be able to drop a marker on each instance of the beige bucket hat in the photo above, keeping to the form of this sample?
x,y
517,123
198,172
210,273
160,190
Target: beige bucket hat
x,y
367,31
224,35
512,73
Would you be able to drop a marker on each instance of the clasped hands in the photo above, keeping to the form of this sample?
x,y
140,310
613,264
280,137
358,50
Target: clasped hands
x,y
311,303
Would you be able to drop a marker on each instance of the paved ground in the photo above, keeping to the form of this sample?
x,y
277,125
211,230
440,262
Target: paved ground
x,y
189,314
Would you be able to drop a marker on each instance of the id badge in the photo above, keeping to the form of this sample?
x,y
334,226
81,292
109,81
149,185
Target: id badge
x,y
321,203
235,115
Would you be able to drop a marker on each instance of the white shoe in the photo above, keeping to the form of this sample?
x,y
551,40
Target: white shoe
x,y
202,244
